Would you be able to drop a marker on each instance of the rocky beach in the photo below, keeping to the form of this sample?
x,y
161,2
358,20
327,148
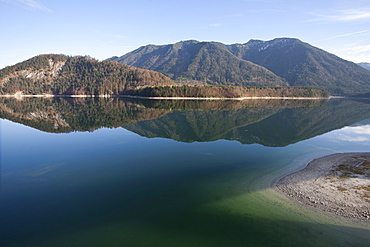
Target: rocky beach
x,y
337,184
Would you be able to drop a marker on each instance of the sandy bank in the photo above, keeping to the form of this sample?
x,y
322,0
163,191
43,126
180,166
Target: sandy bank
x,y
337,183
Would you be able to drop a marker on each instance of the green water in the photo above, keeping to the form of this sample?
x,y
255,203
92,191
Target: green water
x,y
172,175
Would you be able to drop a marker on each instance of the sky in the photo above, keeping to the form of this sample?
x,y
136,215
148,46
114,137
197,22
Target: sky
x,y
103,29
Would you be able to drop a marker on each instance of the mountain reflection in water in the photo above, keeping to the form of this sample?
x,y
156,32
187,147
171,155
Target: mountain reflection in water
x,y
267,122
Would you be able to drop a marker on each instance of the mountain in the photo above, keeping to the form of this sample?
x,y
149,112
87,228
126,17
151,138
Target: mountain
x,y
200,63
304,65
60,74
365,65
298,63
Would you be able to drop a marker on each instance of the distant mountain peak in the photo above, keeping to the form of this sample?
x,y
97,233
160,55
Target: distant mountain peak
x,y
254,41
365,65
277,41
284,39
190,41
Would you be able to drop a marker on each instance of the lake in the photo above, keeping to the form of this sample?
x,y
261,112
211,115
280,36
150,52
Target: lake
x,y
119,172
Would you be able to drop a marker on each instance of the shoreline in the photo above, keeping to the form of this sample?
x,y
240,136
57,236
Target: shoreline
x,y
20,96
336,184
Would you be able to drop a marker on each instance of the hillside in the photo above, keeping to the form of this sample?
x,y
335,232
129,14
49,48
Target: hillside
x,y
60,74
200,63
63,75
298,63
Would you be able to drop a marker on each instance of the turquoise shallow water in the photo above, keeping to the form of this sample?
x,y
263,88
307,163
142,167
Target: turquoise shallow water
x,y
114,187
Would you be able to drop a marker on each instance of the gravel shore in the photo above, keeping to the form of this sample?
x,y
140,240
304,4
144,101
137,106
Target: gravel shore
x,y
337,183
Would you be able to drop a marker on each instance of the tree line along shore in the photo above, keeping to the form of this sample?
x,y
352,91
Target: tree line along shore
x,y
198,92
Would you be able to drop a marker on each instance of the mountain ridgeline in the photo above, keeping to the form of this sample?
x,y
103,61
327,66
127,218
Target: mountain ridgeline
x,y
279,62
201,63
83,75
282,67
64,75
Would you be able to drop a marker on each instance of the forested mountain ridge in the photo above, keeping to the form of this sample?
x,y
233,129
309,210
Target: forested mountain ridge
x,y
302,64
200,63
82,75
60,74
298,63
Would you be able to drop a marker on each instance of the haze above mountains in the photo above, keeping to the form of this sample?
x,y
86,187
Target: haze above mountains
x,y
278,62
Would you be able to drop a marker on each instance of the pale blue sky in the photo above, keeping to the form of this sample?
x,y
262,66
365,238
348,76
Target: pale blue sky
x,y
112,28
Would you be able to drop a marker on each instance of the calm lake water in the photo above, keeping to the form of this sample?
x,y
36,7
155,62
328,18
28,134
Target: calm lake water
x,y
114,172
